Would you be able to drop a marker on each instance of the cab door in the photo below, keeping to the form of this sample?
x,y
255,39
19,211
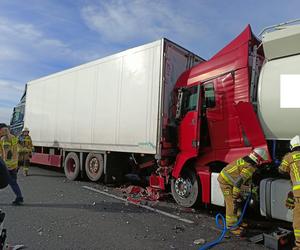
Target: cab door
x,y
189,128
214,105
223,121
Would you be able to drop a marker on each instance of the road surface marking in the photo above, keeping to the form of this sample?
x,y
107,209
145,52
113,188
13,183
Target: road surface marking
x,y
140,205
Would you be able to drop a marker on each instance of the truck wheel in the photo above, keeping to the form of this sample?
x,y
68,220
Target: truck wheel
x,y
185,189
72,166
94,166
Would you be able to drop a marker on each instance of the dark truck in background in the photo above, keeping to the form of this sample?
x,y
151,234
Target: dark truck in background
x,y
17,118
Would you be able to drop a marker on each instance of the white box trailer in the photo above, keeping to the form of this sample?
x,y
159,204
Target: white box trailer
x,y
119,103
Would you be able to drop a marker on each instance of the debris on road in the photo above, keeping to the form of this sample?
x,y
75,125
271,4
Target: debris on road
x,y
187,209
178,229
14,247
40,231
199,242
140,195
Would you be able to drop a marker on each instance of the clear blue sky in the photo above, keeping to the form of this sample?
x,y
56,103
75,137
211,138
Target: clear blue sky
x,y
38,38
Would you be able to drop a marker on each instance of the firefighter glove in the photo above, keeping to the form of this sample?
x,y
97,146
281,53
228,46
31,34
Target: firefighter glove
x,y
238,183
237,204
236,193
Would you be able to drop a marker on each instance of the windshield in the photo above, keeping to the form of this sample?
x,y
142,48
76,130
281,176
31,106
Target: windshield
x,y
18,115
190,99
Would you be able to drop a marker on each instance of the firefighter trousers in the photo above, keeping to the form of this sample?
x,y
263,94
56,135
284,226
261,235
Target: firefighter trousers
x,y
24,161
231,212
296,218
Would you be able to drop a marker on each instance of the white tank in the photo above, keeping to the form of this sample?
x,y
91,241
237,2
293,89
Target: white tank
x,y
279,84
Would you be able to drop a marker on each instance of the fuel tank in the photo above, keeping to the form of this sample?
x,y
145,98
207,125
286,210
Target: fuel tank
x,y
278,97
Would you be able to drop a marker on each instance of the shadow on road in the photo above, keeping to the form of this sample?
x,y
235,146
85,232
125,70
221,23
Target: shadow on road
x,y
45,175
109,207
47,168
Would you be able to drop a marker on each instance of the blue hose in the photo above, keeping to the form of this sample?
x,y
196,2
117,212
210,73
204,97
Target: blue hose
x,y
223,226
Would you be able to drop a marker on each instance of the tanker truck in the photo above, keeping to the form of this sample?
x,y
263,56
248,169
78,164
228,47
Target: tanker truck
x,y
162,111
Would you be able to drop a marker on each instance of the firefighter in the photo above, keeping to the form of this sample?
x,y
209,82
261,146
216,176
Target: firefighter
x,y
231,178
9,154
25,150
290,165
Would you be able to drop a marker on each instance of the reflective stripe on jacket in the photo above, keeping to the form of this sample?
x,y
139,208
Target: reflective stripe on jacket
x,y
9,151
291,164
25,144
236,169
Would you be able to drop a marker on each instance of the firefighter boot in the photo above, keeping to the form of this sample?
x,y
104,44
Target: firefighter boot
x,y
244,225
238,232
25,172
25,169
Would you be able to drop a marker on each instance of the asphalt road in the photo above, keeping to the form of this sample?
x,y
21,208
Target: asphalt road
x,y
60,214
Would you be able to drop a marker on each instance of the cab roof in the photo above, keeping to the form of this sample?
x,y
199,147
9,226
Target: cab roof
x,y
232,57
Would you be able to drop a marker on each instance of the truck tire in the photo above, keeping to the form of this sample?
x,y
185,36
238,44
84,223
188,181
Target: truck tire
x,y
185,189
72,166
94,166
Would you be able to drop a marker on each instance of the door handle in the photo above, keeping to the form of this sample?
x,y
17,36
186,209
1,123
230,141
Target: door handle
x,y
195,143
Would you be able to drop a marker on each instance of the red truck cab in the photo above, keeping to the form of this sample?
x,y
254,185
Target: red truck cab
x,y
217,122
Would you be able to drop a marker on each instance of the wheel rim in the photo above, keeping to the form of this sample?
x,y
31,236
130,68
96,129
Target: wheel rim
x,y
183,187
71,166
94,166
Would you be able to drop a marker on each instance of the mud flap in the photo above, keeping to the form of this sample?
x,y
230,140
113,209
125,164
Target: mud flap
x,y
251,126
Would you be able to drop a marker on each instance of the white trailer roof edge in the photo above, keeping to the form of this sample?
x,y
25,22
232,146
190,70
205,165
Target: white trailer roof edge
x,y
99,61
111,57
